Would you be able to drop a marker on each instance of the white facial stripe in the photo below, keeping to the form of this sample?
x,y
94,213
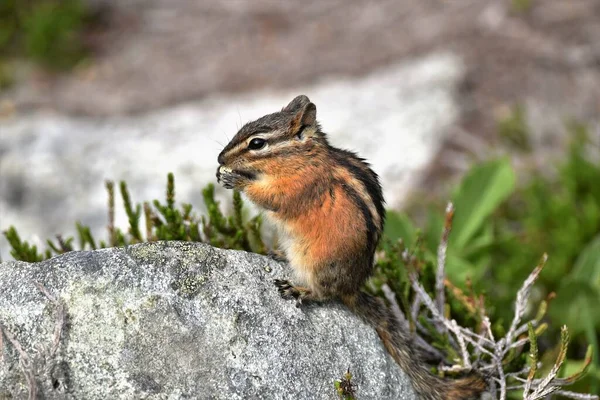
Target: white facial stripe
x,y
273,135
281,145
238,148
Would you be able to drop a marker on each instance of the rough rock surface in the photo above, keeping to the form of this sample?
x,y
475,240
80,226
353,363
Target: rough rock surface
x,y
180,320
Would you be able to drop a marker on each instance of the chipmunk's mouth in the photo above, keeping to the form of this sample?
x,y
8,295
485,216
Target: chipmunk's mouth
x,y
245,174
229,177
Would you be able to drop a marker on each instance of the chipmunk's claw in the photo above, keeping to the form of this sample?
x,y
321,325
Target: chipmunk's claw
x,y
289,291
286,289
277,255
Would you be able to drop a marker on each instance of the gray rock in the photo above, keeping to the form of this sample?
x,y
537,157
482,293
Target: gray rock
x,y
173,320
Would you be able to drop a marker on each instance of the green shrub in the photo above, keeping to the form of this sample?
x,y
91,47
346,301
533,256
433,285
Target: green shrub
x,y
163,221
514,131
51,33
501,229
48,32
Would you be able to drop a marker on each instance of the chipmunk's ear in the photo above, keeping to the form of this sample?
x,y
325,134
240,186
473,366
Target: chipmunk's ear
x,y
297,103
305,116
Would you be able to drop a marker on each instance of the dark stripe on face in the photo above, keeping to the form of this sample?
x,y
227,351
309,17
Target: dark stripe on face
x,y
246,174
366,176
372,230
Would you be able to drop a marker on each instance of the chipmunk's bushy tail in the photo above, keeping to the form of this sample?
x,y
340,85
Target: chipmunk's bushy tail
x,y
398,344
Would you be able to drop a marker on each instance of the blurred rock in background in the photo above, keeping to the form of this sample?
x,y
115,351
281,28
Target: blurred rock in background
x,y
54,166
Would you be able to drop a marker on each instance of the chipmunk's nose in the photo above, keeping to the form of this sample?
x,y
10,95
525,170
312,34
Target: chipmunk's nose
x,y
221,159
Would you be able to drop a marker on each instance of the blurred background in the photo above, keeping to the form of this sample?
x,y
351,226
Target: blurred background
x,y
494,104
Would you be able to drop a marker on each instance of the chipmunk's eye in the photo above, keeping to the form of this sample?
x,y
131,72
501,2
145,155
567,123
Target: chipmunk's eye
x,y
257,144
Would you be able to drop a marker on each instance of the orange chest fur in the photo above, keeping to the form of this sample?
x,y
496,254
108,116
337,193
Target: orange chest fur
x,y
329,231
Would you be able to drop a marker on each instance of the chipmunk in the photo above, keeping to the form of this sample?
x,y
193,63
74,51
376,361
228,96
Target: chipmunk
x,y
329,207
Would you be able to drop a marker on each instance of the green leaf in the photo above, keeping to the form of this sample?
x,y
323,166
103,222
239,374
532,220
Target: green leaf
x,y
576,305
484,188
458,270
433,229
573,367
587,266
399,226
533,352
480,243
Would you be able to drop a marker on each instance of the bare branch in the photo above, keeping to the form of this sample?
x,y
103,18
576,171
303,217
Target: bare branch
x,y
577,396
416,307
24,363
440,276
523,296
419,341
518,343
461,342
45,292
11,338
42,361
489,352
518,373
498,361
474,335
450,325
394,307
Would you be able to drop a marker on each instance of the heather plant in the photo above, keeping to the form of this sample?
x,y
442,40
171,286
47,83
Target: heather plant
x,y
501,228
452,326
162,221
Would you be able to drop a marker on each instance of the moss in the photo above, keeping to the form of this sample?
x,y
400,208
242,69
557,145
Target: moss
x,y
188,286
129,316
152,301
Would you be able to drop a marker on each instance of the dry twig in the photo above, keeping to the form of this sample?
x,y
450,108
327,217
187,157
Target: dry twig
x,y
43,360
488,351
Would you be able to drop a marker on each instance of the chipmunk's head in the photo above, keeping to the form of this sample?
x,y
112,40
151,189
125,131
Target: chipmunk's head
x,y
270,144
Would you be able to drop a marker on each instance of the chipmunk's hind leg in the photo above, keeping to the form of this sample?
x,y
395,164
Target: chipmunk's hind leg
x,y
289,291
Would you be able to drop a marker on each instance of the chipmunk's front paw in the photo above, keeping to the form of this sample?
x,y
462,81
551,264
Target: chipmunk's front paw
x,y
289,291
277,255
286,289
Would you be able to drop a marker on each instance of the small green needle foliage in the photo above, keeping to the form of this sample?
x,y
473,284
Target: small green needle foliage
x,y
162,220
